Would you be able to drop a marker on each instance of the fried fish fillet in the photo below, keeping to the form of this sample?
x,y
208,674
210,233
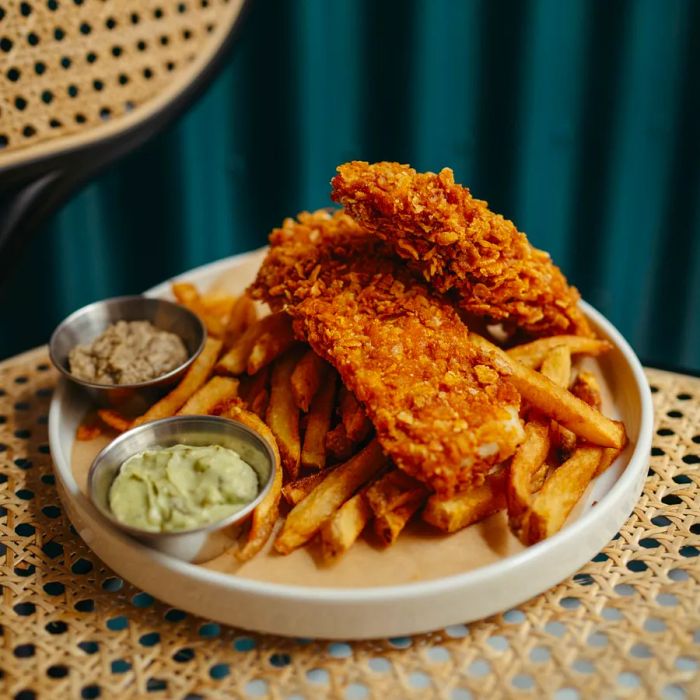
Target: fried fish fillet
x,y
460,247
441,411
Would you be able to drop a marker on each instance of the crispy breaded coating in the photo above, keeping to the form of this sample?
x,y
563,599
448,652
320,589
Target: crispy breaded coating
x,y
460,247
441,411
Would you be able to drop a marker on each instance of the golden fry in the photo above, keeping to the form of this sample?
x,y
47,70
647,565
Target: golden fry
x,y
115,420
196,375
563,488
188,296
218,303
587,389
185,293
258,392
299,489
554,401
392,490
532,354
468,507
307,517
242,316
539,476
207,398
313,453
343,528
235,361
557,365
252,384
270,345
608,456
527,471
338,444
260,403
282,413
563,441
388,526
266,514
353,417
88,431
307,377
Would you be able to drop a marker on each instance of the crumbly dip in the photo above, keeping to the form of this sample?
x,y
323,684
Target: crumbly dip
x,y
168,489
128,352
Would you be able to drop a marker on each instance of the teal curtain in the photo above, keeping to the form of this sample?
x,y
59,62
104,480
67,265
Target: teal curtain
x,y
578,119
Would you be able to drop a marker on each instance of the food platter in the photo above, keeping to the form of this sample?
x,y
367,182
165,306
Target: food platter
x,y
423,582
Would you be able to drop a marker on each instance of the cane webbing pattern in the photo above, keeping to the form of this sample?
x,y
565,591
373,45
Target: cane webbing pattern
x,y
69,66
626,625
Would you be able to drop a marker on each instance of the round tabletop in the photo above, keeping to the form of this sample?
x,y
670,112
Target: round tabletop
x,y
626,625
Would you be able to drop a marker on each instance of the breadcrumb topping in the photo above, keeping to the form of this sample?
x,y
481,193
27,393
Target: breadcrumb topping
x,y
460,247
441,410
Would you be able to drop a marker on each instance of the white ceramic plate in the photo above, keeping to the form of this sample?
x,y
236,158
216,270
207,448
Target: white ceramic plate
x,y
391,596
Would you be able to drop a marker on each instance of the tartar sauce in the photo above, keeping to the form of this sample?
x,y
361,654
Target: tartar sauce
x,y
168,489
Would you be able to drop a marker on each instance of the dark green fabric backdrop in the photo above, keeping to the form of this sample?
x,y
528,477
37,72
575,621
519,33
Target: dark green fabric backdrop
x,y
577,119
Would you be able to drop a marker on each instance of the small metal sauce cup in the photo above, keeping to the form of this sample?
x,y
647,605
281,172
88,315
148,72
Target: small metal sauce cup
x,y
84,325
207,541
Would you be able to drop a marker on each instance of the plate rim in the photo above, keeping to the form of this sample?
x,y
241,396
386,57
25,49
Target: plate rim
x,y
399,591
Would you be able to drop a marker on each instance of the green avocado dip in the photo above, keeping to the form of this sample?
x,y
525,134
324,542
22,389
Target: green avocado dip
x,y
168,489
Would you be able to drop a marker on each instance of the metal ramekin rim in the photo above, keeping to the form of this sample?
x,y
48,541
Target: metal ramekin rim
x,y
139,385
203,529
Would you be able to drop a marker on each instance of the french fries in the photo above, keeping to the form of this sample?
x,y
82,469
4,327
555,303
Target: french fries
x,y
532,354
307,517
235,361
534,517
218,303
554,401
207,398
299,489
567,409
388,526
282,413
259,392
527,471
343,528
311,371
195,377
393,490
353,416
260,403
468,507
242,316
185,293
608,456
287,393
563,441
88,431
313,453
188,296
586,387
266,514
114,419
557,365
563,488
338,444
270,345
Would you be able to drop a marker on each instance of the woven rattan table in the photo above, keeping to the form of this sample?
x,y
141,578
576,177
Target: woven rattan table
x,y
626,625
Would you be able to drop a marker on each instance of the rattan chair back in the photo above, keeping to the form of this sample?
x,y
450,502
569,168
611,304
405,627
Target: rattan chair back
x,y
84,81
